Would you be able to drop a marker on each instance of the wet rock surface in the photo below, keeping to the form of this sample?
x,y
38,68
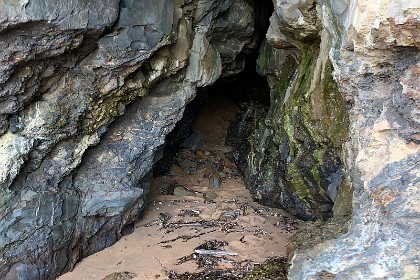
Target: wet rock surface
x,y
295,158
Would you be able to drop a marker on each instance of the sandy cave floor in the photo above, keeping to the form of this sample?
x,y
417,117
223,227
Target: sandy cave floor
x,y
201,203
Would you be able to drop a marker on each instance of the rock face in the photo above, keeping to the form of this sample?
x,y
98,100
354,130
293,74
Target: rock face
x,y
295,159
90,89
343,125
374,50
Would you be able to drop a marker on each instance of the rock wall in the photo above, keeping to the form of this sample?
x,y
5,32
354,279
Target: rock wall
x,y
88,91
295,160
375,53
341,136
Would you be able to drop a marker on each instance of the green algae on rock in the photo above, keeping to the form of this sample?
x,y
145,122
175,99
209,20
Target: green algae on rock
x,y
295,156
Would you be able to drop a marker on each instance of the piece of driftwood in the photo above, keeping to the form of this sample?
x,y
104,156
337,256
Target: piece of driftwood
x,y
215,252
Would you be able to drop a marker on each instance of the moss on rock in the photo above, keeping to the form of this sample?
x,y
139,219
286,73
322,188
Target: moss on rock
x,y
295,161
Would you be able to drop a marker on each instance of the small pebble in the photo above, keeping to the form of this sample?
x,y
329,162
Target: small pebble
x,y
210,196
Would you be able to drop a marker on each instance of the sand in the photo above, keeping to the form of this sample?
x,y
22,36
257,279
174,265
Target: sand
x,y
202,198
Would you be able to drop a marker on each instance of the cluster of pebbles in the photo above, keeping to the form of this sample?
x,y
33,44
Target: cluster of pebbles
x,y
204,193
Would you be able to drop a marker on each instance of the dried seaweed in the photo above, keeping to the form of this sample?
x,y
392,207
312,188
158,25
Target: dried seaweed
x,y
202,260
188,212
120,276
273,268
287,224
201,223
185,238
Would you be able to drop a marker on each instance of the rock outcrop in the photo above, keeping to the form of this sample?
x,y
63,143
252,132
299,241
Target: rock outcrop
x,y
295,159
375,54
90,89
341,136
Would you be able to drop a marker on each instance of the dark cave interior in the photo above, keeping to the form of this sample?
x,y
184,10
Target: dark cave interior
x,y
245,90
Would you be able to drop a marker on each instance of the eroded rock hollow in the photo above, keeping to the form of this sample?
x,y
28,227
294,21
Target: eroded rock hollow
x,y
90,89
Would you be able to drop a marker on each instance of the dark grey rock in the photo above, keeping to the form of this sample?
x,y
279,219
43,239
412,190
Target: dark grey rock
x,y
195,141
245,123
214,180
75,157
182,191
23,271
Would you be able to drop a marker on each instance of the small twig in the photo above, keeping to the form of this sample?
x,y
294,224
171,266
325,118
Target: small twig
x,y
159,263
215,252
185,238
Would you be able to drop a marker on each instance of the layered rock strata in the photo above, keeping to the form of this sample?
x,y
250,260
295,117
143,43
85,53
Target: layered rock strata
x,y
341,135
88,91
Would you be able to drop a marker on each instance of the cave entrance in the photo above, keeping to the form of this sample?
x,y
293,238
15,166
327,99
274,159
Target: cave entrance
x,y
215,118
200,213
220,118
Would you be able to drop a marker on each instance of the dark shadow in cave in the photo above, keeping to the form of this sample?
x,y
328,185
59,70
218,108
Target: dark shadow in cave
x,y
248,90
